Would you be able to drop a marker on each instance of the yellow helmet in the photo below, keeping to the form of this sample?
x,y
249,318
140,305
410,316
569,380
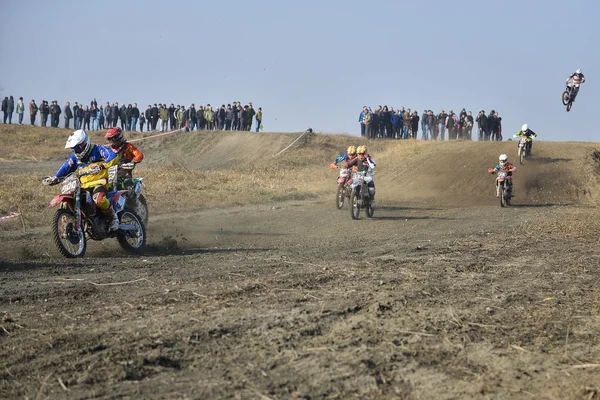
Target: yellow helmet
x,y
361,149
352,150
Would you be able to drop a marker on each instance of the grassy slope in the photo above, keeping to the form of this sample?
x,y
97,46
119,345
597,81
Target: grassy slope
x,y
187,171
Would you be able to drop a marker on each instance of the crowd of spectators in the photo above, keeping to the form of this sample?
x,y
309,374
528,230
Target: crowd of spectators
x,y
159,117
390,123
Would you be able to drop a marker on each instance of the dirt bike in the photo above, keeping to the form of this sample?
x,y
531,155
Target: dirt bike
x,y
136,200
568,96
78,218
505,183
524,148
343,189
360,196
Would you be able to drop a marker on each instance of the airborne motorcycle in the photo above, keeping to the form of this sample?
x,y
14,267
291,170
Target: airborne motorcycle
x,y
136,200
360,197
78,219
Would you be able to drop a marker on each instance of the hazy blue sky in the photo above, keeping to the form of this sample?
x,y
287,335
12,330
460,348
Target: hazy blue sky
x,y
312,62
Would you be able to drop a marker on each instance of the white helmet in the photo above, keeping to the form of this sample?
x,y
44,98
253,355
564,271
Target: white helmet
x,y
503,159
578,71
80,143
524,128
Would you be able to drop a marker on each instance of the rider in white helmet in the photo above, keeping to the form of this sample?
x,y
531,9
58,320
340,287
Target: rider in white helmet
x,y
525,131
503,165
574,80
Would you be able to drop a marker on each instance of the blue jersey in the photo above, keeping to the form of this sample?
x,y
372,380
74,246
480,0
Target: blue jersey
x,y
342,157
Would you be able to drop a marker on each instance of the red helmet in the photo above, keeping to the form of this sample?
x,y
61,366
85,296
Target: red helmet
x,y
115,138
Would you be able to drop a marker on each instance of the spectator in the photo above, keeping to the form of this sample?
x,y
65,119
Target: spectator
x,y
135,114
259,117
481,125
164,117
5,109
172,117
450,125
87,116
469,126
101,118
116,112
20,110
155,114
148,114
128,117
406,124
209,117
387,121
94,116
75,114
424,125
142,121
54,114
68,115
361,120
368,121
221,118
33,110
250,113
492,125
44,111
228,117
498,127
93,104
180,117
432,125
10,109
107,116
79,117
414,125
192,117
374,124
441,121
396,124
123,116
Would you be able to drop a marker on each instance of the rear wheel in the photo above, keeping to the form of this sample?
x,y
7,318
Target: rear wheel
x,y
569,107
132,240
70,242
340,196
566,97
370,210
355,209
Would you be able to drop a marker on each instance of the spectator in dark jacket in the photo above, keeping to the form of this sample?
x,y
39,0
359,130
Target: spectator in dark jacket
x,y
77,121
135,114
68,115
33,110
123,117
492,125
148,114
94,115
128,117
5,109
155,115
414,122
116,112
87,116
228,117
79,116
108,116
142,122
11,108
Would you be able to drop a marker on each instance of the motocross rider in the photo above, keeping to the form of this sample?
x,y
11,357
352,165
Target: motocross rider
x,y
364,162
525,131
576,79
349,155
96,160
503,165
129,155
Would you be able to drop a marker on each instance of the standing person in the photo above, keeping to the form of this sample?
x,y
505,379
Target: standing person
x,y
498,127
368,121
259,117
221,117
481,125
450,125
52,115
10,108
361,120
20,110
432,125
142,121
424,125
135,114
164,117
101,117
76,121
68,115
128,117
492,125
406,124
94,115
414,125
209,117
107,115
469,126
115,114
148,114
93,104
441,121
79,116
180,117
87,116
155,116
228,117
250,113
123,116
5,109
172,117
33,110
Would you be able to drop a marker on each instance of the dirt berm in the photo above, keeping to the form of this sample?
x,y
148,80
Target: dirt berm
x,y
253,285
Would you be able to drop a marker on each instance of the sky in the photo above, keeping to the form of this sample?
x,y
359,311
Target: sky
x,y
312,63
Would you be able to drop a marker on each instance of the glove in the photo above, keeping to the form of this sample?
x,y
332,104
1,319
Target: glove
x,y
50,180
491,170
94,169
333,166
129,165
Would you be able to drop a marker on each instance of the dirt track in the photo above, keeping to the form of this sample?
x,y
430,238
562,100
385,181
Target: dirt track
x,y
442,295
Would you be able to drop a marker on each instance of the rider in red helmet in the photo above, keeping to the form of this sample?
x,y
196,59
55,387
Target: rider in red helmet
x,y
128,153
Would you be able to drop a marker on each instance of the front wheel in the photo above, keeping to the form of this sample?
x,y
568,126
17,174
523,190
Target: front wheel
x,y
569,106
134,239
140,207
521,156
70,242
502,198
355,209
340,196
370,210
566,98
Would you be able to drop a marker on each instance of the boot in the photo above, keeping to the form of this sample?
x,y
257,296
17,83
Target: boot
x,y
114,223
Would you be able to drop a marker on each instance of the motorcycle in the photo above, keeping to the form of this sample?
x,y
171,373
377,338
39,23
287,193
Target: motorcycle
x,y
136,200
78,219
505,183
568,96
343,189
524,148
360,197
